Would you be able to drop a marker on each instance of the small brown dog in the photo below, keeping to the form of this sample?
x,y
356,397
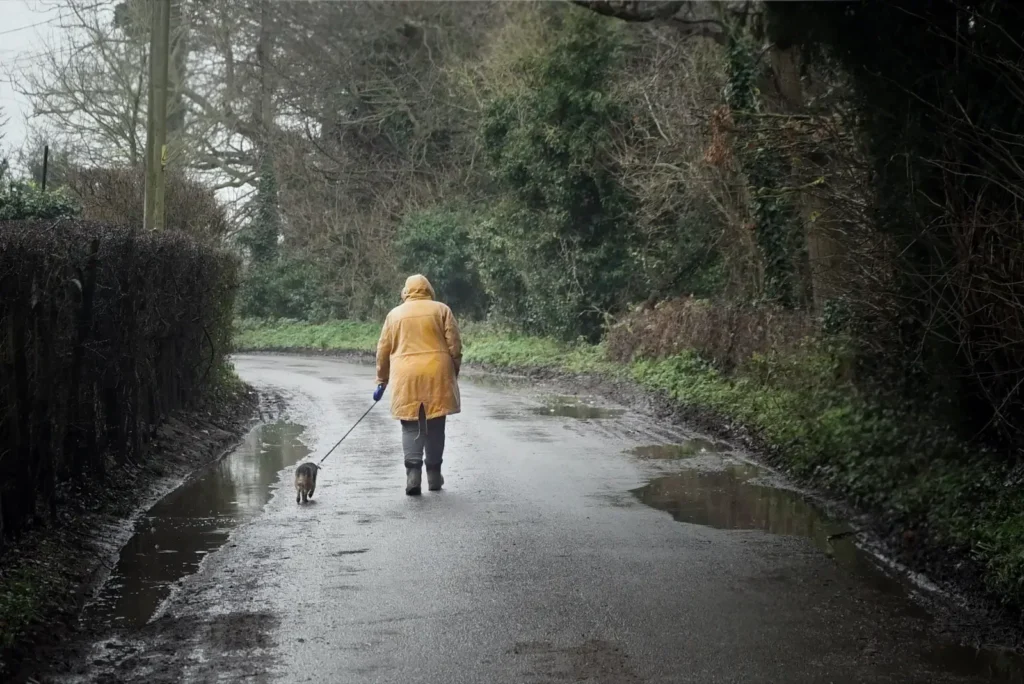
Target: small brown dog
x,y
305,482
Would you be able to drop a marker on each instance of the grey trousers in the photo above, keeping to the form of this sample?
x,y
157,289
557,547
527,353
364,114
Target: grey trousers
x,y
419,436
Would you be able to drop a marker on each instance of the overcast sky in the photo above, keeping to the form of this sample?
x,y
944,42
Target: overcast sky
x,y
24,26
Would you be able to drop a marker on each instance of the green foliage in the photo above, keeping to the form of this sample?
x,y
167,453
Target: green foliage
x,y
266,335
563,224
288,287
277,283
492,346
684,258
502,280
482,344
437,244
24,200
778,229
261,236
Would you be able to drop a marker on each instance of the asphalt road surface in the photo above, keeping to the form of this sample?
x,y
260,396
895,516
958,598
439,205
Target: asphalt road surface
x,y
571,543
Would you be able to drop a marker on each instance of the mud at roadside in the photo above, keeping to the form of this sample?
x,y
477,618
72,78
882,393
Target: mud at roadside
x,y
950,584
73,560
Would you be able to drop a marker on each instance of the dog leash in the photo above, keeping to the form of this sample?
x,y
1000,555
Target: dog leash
x,y
348,433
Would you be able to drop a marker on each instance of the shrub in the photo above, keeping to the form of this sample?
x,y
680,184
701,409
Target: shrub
x,y
105,332
726,334
118,196
287,287
437,244
24,200
564,221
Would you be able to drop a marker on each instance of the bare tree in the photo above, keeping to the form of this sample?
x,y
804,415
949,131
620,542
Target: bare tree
x,y
89,87
3,159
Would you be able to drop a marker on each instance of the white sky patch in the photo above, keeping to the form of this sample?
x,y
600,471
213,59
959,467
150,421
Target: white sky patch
x,y
26,26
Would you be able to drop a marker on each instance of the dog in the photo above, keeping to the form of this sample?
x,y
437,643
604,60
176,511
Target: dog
x,y
305,482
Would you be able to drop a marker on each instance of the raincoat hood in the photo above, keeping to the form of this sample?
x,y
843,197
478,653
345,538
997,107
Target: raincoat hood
x,y
417,287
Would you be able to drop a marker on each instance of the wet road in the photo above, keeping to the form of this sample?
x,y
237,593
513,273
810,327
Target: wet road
x,y
571,543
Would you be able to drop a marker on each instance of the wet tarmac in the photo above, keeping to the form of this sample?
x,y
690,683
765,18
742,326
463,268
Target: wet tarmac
x,y
574,541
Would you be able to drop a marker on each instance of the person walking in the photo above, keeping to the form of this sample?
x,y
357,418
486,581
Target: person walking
x,y
419,355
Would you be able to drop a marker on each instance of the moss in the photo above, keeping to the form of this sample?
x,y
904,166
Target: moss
x,y
907,469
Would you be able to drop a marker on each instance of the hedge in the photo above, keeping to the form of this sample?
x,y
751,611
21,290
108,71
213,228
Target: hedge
x,y
104,331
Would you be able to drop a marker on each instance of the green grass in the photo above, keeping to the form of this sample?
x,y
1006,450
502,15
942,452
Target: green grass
x,y
494,347
899,464
252,335
482,344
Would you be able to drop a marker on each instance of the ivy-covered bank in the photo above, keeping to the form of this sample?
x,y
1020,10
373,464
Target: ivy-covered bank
x,y
950,511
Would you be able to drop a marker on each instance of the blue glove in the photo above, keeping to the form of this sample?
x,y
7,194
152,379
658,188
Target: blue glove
x,y
379,392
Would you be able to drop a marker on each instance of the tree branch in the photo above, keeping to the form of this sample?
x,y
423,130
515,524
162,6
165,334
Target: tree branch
x,y
638,11
632,10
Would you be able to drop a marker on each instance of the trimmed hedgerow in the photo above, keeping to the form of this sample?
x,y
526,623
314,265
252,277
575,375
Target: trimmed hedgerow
x,y
103,333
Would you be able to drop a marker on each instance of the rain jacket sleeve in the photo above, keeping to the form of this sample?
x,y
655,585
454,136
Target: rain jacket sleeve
x,y
385,345
453,337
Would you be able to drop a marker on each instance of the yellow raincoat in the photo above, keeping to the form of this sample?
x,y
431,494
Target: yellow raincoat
x,y
419,354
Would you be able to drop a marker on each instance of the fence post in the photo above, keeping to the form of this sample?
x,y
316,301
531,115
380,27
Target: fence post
x,y
46,163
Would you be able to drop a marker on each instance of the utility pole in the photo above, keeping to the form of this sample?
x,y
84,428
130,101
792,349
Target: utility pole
x,y
147,214
156,124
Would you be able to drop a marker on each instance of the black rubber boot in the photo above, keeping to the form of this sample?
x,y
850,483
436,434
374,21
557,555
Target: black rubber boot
x,y
413,478
435,480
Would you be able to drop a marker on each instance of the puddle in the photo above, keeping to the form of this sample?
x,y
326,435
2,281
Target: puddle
x,y
733,499
727,499
573,407
669,452
192,521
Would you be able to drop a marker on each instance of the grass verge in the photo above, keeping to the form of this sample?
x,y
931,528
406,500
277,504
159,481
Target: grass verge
x,y
948,509
484,345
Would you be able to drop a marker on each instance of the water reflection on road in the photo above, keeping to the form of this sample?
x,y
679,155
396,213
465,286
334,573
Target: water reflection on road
x,y
173,537
735,497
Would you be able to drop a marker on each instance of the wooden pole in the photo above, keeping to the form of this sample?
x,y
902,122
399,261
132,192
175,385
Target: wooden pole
x,y
156,120
161,64
149,157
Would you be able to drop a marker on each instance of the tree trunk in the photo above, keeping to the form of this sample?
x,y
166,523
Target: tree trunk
x,y
824,251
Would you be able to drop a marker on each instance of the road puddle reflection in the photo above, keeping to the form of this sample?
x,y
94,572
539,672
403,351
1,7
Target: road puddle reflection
x,y
192,521
574,407
732,498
